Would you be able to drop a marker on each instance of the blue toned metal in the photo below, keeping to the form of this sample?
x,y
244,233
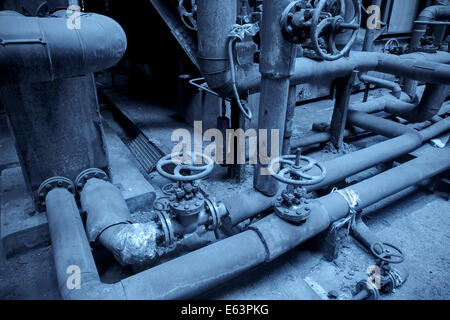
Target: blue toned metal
x,y
35,49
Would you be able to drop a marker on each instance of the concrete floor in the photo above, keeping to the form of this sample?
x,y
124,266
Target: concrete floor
x,y
415,220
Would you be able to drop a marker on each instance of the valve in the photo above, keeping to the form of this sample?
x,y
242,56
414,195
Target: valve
x,y
189,18
185,206
387,253
185,163
317,26
293,205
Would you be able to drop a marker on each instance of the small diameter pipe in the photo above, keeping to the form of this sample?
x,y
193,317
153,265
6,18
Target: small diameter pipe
x,y
290,112
382,83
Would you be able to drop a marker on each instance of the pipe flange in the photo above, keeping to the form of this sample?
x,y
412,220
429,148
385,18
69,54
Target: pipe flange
x,y
214,213
374,294
52,183
295,214
166,226
294,21
87,174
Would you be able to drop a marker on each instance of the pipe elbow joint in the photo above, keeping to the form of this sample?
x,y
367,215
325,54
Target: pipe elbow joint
x,y
36,49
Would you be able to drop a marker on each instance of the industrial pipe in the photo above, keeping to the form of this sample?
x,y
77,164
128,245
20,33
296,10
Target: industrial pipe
x,y
35,49
429,14
382,83
109,222
419,66
276,66
189,275
214,22
342,167
432,13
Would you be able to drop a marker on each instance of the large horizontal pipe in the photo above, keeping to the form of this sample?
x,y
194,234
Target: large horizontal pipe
x,y
189,275
280,236
342,167
420,66
35,49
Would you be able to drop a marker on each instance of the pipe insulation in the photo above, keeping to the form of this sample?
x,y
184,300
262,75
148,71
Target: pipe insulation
x,y
109,221
35,49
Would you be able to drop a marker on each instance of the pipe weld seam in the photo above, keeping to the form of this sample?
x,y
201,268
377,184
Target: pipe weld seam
x,y
261,237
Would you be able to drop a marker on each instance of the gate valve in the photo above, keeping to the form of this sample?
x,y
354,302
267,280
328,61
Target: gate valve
x,y
317,26
186,207
387,253
332,26
293,205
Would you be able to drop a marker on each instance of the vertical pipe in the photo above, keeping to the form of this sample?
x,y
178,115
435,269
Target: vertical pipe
x,y
428,14
339,120
371,34
214,21
276,67
291,104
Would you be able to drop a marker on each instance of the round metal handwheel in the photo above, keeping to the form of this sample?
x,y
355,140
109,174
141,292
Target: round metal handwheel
x,y
336,23
188,17
183,164
387,253
294,173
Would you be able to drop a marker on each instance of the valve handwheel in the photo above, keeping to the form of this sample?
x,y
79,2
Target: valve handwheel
x,y
387,253
336,24
185,163
294,173
188,17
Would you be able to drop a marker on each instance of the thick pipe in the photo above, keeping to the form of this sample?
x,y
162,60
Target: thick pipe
x,y
432,13
378,125
340,168
215,20
419,66
276,66
72,252
187,276
429,106
109,222
316,138
280,236
44,49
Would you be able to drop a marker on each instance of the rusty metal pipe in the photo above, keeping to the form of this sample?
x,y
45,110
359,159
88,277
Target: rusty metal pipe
x,y
35,49
276,67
